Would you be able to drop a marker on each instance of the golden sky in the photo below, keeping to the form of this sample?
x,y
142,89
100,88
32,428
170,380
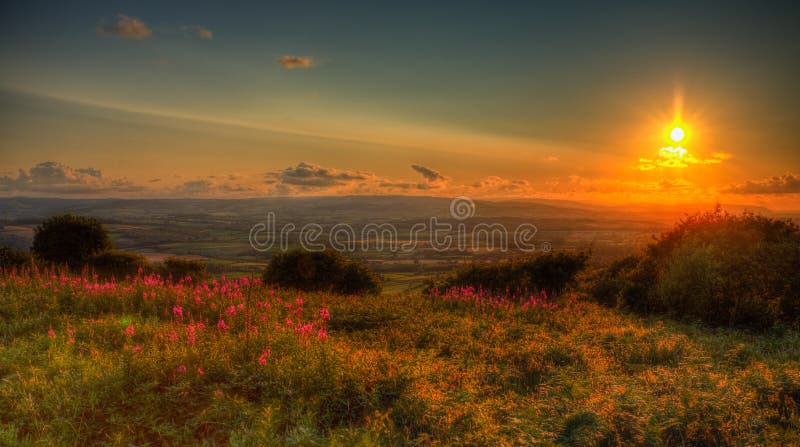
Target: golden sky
x,y
524,101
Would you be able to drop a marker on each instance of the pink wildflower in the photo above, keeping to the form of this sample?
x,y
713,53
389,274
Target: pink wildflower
x,y
321,334
130,331
137,348
51,333
200,371
324,314
262,359
177,311
182,369
221,325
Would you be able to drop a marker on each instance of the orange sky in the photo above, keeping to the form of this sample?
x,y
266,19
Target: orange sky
x,y
547,103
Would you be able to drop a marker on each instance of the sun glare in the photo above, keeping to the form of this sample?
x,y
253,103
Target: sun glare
x,y
677,134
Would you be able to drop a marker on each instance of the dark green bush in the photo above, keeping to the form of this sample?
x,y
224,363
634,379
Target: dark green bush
x,y
69,240
179,268
118,264
607,284
552,272
321,271
12,258
715,267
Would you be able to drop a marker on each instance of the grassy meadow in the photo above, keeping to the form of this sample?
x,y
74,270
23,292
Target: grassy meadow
x,y
145,361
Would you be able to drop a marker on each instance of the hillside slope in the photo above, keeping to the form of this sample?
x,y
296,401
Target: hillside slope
x,y
147,362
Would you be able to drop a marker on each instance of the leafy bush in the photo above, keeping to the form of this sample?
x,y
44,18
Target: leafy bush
x,y
605,286
552,272
321,271
69,240
118,263
13,258
715,267
180,268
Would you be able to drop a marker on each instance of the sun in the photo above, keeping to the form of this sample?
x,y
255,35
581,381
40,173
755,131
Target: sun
x,y
677,134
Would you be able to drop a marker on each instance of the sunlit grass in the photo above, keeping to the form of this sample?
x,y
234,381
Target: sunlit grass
x,y
85,361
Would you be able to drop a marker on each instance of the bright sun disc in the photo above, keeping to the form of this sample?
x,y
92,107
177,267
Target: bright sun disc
x,y
677,134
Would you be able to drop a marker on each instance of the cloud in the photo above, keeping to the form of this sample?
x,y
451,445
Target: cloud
x,y
494,185
193,187
678,157
399,185
429,174
314,176
199,31
125,27
784,184
551,158
233,184
290,62
51,177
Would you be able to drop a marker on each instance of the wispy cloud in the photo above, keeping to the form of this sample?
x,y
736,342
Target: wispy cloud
x,y
784,184
678,157
291,62
199,31
430,175
498,186
126,27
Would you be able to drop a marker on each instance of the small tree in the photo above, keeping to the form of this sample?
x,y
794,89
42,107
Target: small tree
x,y
551,272
180,268
118,263
70,240
321,271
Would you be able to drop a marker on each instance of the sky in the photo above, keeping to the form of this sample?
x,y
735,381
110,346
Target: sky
x,y
519,100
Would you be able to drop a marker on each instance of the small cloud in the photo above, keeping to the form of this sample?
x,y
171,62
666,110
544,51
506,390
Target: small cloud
x,y
430,175
51,177
551,158
125,27
195,187
313,176
292,62
199,31
784,184
405,185
499,186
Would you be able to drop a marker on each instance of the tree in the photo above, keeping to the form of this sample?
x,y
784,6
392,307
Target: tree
x,y
69,240
321,271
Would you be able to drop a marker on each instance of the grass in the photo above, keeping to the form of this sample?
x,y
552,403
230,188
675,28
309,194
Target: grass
x,y
84,361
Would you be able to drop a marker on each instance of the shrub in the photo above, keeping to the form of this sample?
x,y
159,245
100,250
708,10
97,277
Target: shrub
x,y
552,272
180,268
715,267
321,271
118,263
69,240
13,258
607,284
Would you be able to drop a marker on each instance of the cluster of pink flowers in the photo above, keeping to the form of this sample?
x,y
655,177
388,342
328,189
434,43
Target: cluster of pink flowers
x,y
240,307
